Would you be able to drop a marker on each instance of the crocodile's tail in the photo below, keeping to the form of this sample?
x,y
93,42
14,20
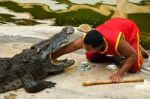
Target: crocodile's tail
x,y
16,84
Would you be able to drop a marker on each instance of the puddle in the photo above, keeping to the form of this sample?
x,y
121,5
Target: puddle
x,y
84,66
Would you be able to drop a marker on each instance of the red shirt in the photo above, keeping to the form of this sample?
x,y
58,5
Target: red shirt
x,y
112,31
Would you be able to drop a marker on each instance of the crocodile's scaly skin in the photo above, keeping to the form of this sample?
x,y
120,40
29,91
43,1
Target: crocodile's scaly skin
x,y
28,68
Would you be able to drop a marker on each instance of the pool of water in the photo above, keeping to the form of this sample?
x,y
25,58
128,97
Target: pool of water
x,y
74,12
60,12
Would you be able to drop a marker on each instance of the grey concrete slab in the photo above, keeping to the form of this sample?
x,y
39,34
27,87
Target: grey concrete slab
x,y
69,82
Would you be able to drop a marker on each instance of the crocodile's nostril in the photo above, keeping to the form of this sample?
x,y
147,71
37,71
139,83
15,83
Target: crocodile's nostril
x,y
70,30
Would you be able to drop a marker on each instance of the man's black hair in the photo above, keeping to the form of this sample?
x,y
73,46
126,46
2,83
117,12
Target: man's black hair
x,y
93,38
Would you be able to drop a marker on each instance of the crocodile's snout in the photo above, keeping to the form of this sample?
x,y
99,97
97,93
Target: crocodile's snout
x,y
68,30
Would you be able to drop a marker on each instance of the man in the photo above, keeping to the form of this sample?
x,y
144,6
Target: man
x,y
116,36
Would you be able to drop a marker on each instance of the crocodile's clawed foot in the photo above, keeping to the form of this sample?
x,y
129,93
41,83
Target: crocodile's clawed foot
x,y
49,84
37,86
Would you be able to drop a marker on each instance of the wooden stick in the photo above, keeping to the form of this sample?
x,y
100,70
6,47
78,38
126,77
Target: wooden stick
x,y
110,82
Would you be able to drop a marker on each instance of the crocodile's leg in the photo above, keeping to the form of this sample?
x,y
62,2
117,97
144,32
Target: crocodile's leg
x,y
32,86
8,79
16,84
5,63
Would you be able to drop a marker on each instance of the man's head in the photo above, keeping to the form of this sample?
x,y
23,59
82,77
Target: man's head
x,y
93,41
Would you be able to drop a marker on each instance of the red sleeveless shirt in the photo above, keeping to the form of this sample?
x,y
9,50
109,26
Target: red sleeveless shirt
x,y
112,31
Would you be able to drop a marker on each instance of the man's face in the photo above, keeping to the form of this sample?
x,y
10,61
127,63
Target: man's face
x,y
91,49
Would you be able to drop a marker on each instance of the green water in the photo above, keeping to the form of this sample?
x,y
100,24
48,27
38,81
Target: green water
x,y
143,22
9,18
74,18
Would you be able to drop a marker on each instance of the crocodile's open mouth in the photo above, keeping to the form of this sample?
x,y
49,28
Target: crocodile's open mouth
x,y
65,38
56,60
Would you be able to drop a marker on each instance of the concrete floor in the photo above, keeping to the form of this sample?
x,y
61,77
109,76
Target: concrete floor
x,y
69,82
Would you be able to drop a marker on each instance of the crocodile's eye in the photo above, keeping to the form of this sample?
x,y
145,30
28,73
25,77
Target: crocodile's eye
x,y
24,60
32,47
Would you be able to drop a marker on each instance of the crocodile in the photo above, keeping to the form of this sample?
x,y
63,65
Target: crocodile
x,y
29,68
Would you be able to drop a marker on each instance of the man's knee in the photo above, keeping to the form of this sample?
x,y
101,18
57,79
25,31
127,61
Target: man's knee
x,y
94,57
88,55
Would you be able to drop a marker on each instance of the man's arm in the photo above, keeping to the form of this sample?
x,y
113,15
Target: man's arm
x,y
130,57
73,46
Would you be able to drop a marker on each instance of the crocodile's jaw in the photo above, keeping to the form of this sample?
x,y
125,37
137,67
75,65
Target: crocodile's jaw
x,y
64,38
57,41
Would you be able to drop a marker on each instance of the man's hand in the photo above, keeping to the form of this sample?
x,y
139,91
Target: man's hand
x,y
125,49
115,77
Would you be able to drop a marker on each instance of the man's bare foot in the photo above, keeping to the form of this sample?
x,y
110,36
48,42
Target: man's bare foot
x,y
144,52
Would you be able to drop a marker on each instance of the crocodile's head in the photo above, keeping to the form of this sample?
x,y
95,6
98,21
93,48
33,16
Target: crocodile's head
x,y
62,38
55,43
